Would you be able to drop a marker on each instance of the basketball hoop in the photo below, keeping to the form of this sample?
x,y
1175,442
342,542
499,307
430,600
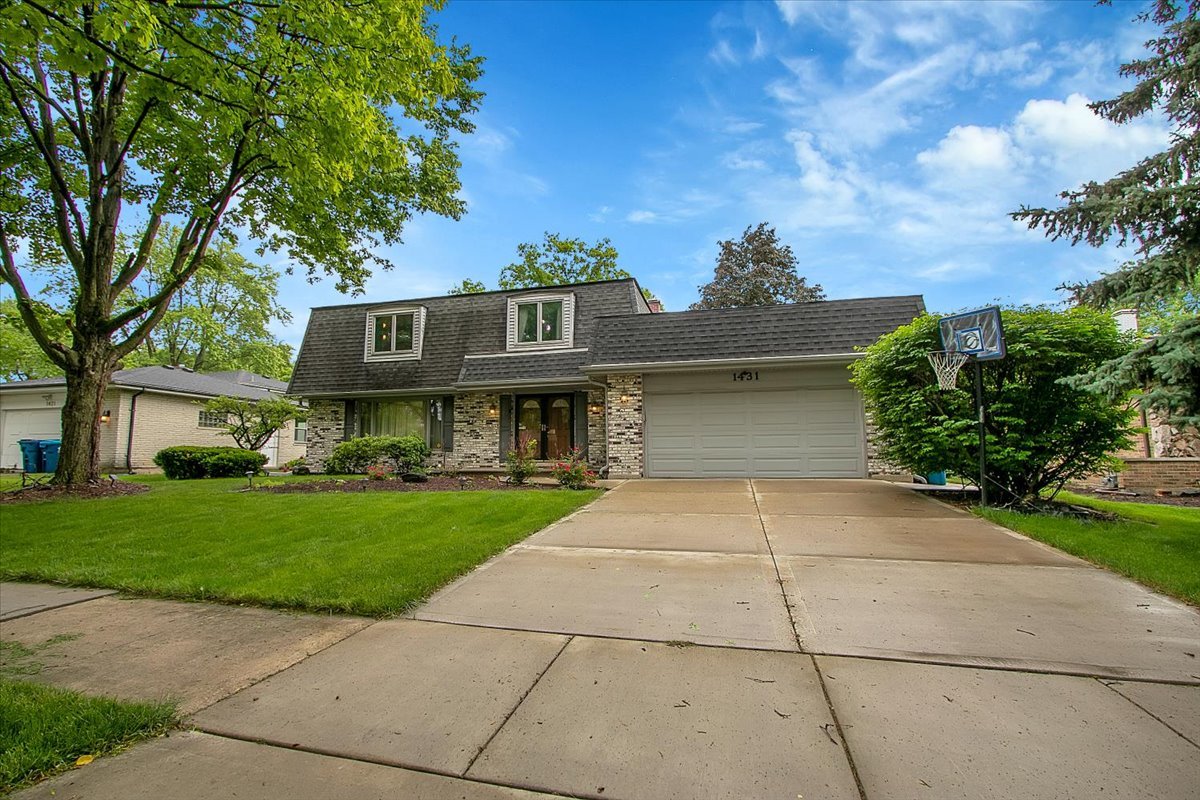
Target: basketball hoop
x,y
946,364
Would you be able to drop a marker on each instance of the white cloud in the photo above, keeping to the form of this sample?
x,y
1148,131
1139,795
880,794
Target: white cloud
x,y
1079,145
722,53
641,216
970,149
600,214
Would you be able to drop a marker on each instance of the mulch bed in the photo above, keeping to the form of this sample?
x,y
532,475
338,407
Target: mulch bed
x,y
92,491
434,484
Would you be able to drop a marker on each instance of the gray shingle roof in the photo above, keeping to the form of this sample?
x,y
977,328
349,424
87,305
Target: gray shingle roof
x,y
527,367
166,379
331,362
827,327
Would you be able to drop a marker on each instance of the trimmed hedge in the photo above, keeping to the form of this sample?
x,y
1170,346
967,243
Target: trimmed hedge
x,y
185,462
406,453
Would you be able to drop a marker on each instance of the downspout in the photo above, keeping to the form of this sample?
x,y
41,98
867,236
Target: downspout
x,y
129,440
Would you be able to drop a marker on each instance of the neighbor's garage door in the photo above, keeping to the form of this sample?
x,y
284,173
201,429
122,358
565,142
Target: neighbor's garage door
x,y
764,431
17,424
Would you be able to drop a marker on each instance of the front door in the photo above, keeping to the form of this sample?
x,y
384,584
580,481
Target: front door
x,y
546,421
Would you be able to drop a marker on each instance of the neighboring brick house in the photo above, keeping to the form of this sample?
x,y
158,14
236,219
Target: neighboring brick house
x,y
756,391
144,410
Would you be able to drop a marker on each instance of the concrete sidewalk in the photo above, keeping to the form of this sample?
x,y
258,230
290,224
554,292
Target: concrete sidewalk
x,y
679,639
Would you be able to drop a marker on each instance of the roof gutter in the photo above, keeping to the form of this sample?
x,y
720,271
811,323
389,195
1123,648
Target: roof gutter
x,y
529,382
720,363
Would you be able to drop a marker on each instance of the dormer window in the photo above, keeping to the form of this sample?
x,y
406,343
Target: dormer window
x,y
395,334
540,321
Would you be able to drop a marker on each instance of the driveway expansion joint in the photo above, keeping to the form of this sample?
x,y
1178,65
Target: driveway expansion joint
x,y
516,705
858,784
1108,684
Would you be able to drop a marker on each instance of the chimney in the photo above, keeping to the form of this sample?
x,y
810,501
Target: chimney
x,y
655,305
1127,320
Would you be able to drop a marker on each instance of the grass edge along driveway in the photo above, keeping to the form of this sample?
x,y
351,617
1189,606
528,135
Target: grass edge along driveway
x,y
44,730
375,553
1156,545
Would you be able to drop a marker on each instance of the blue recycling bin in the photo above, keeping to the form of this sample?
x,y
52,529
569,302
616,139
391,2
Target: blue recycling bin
x,y
49,450
936,478
31,455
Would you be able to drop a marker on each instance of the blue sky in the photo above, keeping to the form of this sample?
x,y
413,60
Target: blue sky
x,y
885,141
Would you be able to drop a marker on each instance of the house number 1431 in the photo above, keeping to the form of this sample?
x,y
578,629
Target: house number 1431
x,y
745,375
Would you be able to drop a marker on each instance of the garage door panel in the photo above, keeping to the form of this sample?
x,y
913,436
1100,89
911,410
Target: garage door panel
x,y
767,433
32,423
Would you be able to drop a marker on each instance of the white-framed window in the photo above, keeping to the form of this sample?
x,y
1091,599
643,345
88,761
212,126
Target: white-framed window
x,y
395,334
301,432
404,416
211,419
541,321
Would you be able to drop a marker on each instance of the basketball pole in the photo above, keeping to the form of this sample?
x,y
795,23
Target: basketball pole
x,y
983,492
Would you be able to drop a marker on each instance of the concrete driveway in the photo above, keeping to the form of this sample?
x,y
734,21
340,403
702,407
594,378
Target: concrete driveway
x,y
729,638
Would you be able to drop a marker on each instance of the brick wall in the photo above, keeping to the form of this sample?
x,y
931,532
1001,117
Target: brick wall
x,y
626,425
1159,473
326,428
597,440
476,432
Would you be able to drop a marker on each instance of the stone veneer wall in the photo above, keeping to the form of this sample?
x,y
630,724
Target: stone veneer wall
x,y
476,432
626,425
597,439
876,465
326,428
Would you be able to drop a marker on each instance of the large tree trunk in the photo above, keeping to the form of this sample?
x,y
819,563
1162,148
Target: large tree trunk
x,y
79,456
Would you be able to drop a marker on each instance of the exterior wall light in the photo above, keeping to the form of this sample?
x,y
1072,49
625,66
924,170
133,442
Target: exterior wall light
x,y
624,398
493,411
106,416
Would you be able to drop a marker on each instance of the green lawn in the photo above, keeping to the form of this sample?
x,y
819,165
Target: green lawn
x,y
43,729
1157,545
376,553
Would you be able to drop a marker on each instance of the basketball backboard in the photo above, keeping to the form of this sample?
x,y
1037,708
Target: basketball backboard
x,y
976,333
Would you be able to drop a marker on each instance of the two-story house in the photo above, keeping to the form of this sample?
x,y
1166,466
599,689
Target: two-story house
x,y
759,391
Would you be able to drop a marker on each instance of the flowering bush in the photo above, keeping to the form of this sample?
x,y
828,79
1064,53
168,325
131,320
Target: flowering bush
x,y
520,462
574,473
378,473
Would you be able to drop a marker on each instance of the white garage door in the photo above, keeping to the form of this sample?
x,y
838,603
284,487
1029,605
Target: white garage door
x,y
786,433
35,423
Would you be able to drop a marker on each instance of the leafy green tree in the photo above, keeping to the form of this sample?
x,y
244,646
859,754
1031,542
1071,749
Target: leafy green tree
x,y
1040,432
557,260
1151,208
218,320
756,270
252,423
318,127
468,286
1161,315
20,357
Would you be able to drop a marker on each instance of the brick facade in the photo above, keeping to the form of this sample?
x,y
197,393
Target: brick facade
x,y
1159,473
626,425
326,428
597,439
476,432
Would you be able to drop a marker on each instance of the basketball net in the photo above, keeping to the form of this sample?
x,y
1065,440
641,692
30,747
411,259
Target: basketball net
x,y
946,364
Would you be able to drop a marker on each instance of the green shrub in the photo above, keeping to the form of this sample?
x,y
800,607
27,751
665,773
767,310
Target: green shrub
x,y
1041,432
405,453
520,464
186,462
